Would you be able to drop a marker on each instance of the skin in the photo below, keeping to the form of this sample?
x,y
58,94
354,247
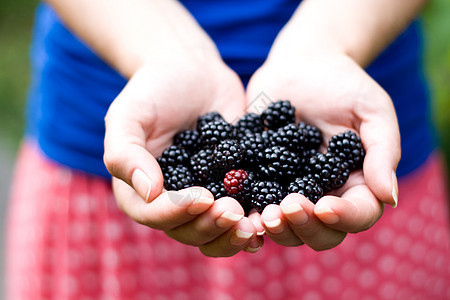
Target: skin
x,y
363,107
176,74
317,62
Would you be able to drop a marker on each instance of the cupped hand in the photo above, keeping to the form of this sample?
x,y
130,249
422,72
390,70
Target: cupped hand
x,y
162,98
332,92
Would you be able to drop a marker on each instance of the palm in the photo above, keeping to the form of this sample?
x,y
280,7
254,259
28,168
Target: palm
x,y
154,106
159,111
335,94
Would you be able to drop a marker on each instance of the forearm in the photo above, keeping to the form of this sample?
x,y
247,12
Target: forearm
x,y
359,28
128,33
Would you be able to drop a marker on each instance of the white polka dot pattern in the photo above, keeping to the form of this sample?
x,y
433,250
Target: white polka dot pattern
x,y
68,240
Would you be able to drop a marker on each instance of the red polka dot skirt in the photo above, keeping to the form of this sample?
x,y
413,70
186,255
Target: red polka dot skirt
x,y
68,240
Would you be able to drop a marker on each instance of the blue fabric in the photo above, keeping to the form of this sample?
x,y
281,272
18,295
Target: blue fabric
x,y
72,88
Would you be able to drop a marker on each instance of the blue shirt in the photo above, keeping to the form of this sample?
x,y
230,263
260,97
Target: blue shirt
x,y
72,88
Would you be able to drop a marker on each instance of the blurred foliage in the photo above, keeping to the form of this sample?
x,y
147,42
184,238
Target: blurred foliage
x,y
437,64
16,17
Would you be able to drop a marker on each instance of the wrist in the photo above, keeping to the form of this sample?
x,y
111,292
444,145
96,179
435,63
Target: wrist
x,y
289,50
357,29
172,54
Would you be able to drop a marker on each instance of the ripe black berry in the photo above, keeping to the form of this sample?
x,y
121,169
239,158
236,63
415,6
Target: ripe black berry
x,y
348,147
228,154
173,156
202,165
208,118
265,193
307,187
249,123
327,170
313,136
217,189
279,163
260,159
214,132
253,145
177,178
291,137
278,114
189,140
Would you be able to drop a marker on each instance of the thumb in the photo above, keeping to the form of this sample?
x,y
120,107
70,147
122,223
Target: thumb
x,y
126,156
262,90
381,138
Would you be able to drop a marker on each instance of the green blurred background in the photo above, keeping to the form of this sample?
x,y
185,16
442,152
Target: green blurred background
x,y
16,17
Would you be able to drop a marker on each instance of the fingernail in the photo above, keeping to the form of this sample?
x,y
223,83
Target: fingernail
x,y
295,213
199,205
142,184
228,219
394,189
326,215
275,226
260,233
251,249
240,237
253,246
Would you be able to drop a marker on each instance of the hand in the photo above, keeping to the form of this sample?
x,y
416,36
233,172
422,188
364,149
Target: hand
x,y
330,91
161,99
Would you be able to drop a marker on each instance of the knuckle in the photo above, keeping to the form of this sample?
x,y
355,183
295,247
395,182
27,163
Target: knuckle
x,y
182,238
328,244
152,224
214,252
203,231
206,251
112,158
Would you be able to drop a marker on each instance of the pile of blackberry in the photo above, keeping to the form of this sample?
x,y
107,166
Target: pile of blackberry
x,y
260,159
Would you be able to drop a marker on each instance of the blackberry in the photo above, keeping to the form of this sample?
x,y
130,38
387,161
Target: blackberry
x,y
307,154
291,137
307,187
214,132
228,154
312,134
189,140
279,163
249,123
217,189
265,193
173,156
202,166
327,170
253,145
177,178
208,118
266,135
234,180
238,185
348,147
278,114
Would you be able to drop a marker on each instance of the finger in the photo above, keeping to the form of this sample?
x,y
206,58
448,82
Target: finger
x,y
381,139
169,210
256,243
233,241
223,214
126,156
277,228
255,217
356,210
299,213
